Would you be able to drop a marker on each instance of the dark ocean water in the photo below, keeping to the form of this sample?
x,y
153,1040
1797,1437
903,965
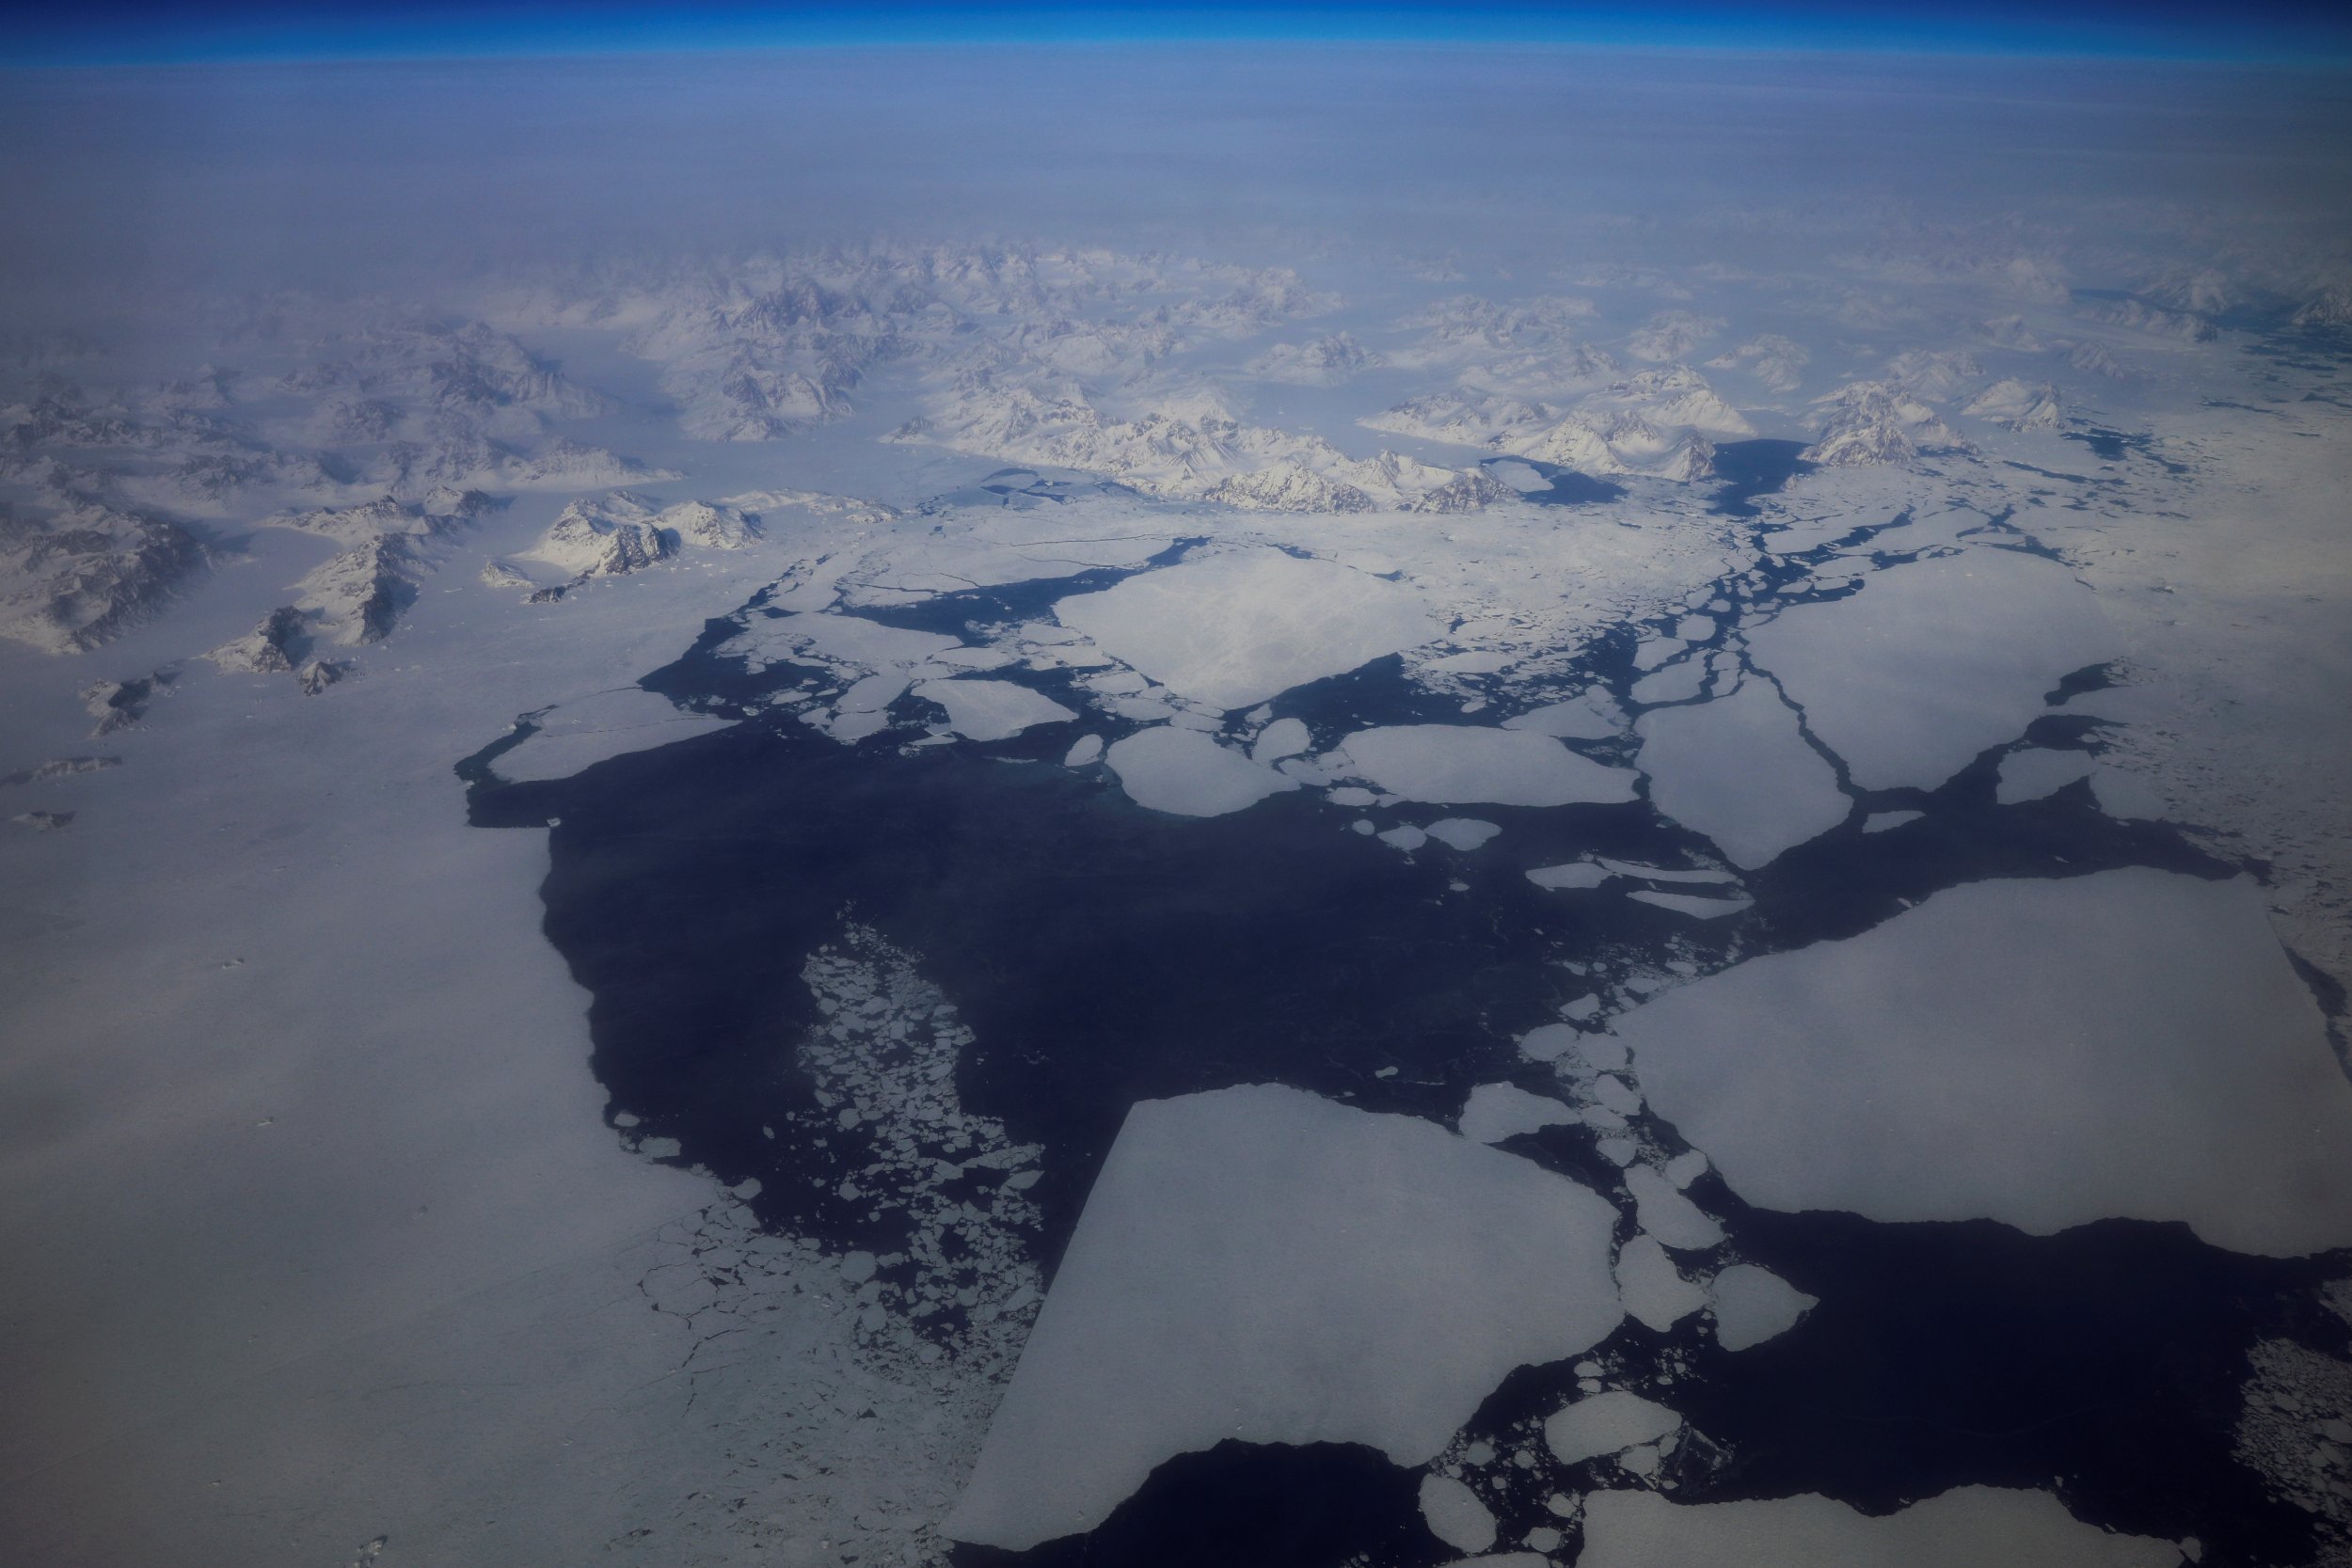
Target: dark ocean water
x,y
1103,954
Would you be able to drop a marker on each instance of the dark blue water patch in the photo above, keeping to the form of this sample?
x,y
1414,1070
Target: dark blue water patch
x,y
2115,446
1564,486
2110,1356
2090,677
1753,468
1243,1505
972,612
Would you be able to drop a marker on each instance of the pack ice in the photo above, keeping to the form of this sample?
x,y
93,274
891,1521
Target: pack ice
x,y
2129,1044
1932,661
1262,1264
1232,630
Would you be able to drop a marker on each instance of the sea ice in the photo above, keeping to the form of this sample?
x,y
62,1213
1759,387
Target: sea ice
x,y
1752,1305
1659,1209
1966,1528
1449,763
1261,1264
1233,629
1654,1289
2037,770
2131,1043
1689,903
1576,874
991,710
1880,821
1606,1423
1498,1111
1461,832
1183,772
1738,769
1285,738
1932,661
1455,1515
596,728
1591,716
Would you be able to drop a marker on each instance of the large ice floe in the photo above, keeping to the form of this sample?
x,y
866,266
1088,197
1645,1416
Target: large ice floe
x,y
1261,1264
1469,763
1931,662
1233,629
2129,1044
1739,769
1966,1528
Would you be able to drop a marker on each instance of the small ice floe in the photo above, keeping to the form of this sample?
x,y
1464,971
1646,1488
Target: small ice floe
x,y
1455,1515
1606,1423
1672,683
1880,821
1184,772
991,710
1659,1209
1464,834
1406,838
1697,908
1575,874
1085,753
1752,1305
1655,1292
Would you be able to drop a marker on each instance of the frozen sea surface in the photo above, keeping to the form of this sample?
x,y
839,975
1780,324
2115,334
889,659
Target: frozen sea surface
x,y
1244,1257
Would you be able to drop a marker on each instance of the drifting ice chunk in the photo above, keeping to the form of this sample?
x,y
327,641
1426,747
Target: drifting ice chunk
x,y
1184,772
1659,1207
1085,754
1605,1424
1690,904
1654,1289
1462,833
1455,1515
1878,821
596,728
1406,838
1450,763
2130,1044
991,710
1753,1304
1573,875
1933,661
1546,1042
1260,1264
1500,1111
1661,873
1966,1528
1739,770
1232,630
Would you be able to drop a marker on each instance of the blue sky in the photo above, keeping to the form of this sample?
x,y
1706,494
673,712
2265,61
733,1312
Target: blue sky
x,y
97,31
